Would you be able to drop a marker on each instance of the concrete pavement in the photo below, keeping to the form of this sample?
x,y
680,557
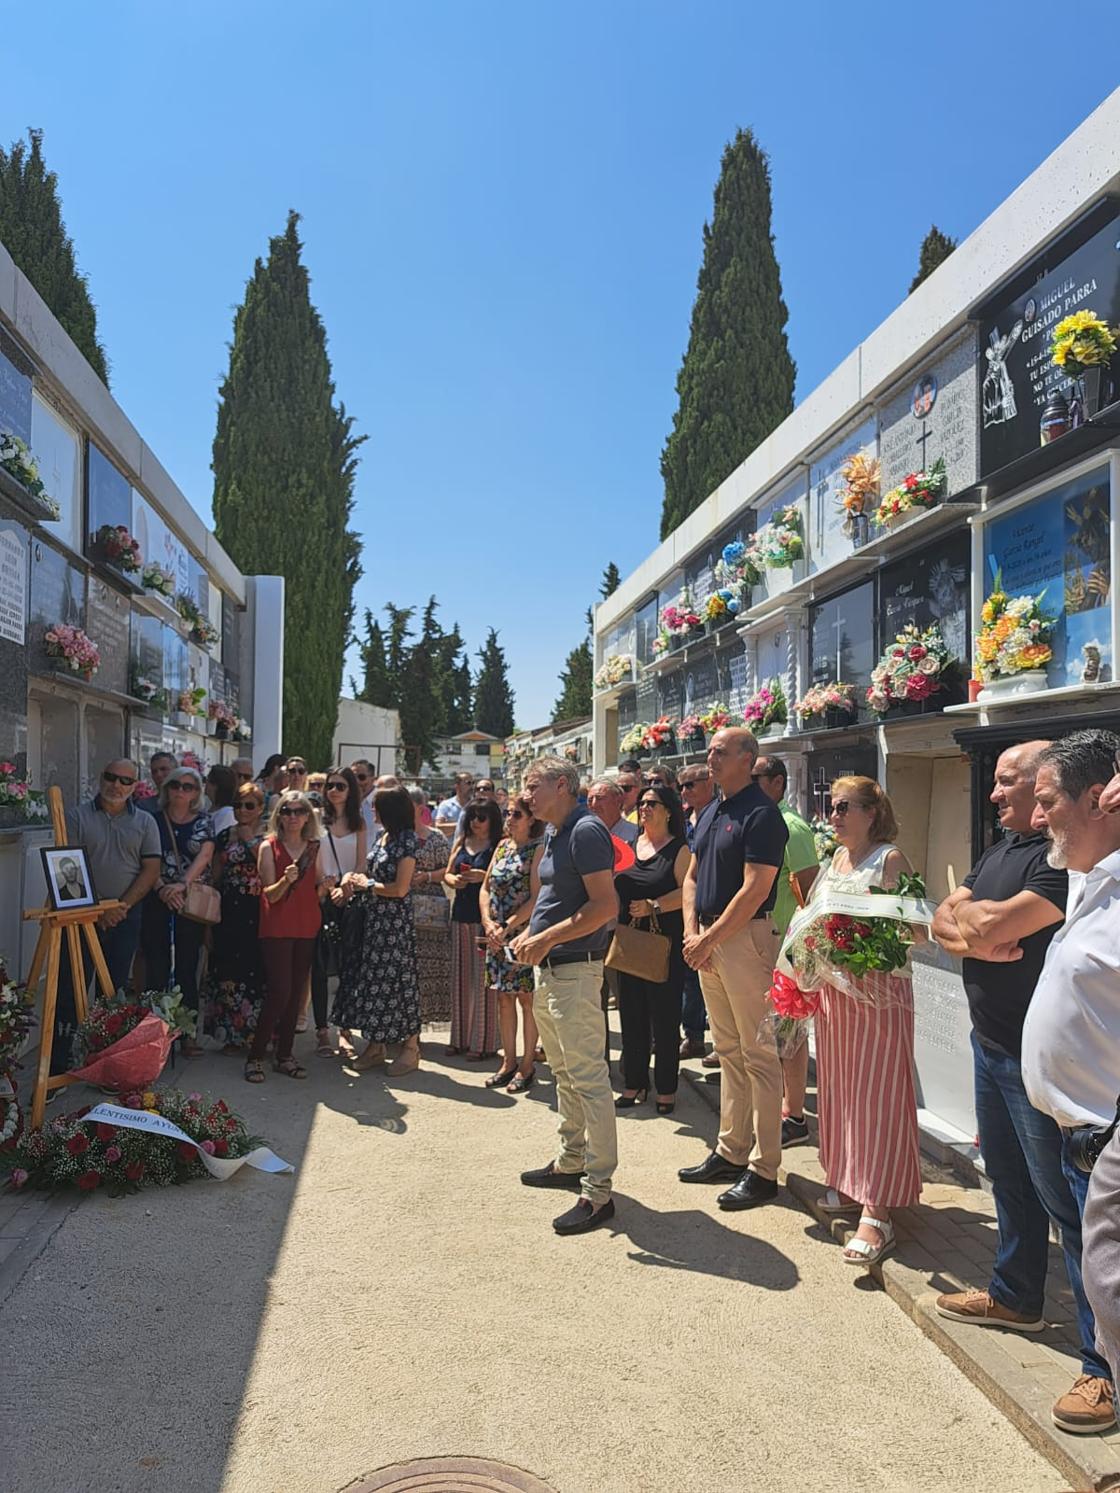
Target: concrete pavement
x,y
403,1296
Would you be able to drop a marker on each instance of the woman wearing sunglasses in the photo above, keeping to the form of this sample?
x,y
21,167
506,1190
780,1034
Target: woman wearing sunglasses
x,y
865,1044
186,834
292,874
474,1012
505,904
432,914
651,889
235,983
343,850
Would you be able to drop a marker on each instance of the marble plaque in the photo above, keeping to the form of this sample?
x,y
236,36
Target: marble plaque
x,y
942,1050
108,615
934,414
828,543
645,626
174,663
15,396
146,651
670,693
14,545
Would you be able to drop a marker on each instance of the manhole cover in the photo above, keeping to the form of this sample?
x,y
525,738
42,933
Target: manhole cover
x,y
450,1475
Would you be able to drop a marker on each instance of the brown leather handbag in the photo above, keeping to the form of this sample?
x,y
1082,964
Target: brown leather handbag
x,y
644,955
202,903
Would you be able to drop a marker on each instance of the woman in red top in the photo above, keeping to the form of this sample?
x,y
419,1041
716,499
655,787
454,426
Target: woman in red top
x,y
292,878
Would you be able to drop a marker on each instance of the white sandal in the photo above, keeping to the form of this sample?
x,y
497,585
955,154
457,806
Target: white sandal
x,y
860,1252
832,1202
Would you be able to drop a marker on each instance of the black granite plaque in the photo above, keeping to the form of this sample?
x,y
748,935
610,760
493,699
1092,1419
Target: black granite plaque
x,y
842,638
58,594
231,635
107,614
15,399
1016,374
145,653
646,695
930,585
855,760
701,684
670,693
110,496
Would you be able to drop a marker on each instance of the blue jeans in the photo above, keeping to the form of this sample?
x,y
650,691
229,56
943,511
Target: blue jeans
x,y
119,947
1032,1183
694,1018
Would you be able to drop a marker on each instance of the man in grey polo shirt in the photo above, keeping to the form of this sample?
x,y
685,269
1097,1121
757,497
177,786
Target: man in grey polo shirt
x,y
567,940
122,850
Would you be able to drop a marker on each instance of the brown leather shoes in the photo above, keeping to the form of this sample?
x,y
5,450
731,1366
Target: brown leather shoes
x,y
981,1310
711,1061
692,1049
1086,1408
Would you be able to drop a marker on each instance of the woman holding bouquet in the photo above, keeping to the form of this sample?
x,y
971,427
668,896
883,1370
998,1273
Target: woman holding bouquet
x,y
865,1043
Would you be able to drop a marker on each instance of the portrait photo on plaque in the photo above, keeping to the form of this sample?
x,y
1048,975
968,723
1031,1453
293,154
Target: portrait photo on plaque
x,y
67,874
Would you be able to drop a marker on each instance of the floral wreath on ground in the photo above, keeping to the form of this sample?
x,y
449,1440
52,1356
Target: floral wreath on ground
x,y
615,668
860,475
18,462
766,707
71,646
659,736
67,1152
119,548
154,578
911,669
17,793
200,629
779,543
832,696
190,700
1014,634
634,738
1082,341
916,490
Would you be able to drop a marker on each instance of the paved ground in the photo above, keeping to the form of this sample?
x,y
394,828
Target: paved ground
x,y
402,1296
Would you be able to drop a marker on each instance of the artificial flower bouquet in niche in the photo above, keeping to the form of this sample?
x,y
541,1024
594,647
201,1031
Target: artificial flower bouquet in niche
x,y
200,629
1014,636
778,544
1082,341
766,708
16,793
716,717
860,495
148,690
72,1152
690,732
224,718
735,574
830,702
911,671
659,736
117,546
680,619
632,743
72,650
722,606
843,939
615,668
153,577
190,700
17,460
916,490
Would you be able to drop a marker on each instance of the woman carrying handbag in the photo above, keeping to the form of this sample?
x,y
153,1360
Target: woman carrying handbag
x,y
291,877
344,849
649,991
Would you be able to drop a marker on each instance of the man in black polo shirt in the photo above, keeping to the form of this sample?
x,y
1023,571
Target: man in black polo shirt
x,y
567,941
728,936
1001,922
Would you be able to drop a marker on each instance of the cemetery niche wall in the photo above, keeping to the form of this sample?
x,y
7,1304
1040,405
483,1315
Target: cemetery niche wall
x,y
831,537
932,416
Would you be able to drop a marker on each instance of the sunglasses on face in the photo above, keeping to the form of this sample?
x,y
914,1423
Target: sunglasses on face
x,y
651,803
180,787
116,777
841,806
292,809
250,807
515,814
297,772
337,787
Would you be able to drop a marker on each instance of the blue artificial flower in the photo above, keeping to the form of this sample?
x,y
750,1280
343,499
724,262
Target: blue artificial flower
x,y
733,606
725,594
733,552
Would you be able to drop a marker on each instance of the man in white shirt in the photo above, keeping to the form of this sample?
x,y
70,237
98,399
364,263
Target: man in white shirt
x,y
1071,1037
448,812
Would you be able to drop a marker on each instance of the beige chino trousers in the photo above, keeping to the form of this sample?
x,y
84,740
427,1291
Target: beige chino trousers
x,y
750,1100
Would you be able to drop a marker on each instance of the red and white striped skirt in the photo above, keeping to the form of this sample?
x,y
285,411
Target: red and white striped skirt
x,y
865,1081
474,1009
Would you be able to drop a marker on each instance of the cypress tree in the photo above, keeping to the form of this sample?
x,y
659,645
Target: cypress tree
x,y
376,688
736,380
455,684
396,647
32,231
418,697
936,248
284,463
575,685
461,712
610,582
493,698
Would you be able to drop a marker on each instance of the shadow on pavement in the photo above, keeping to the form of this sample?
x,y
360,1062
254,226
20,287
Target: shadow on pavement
x,y
693,1240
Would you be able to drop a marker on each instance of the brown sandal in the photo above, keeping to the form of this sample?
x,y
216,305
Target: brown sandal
x,y
254,1071
290,1068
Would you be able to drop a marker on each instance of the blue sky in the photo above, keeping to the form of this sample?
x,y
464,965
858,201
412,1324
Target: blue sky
x,y
502,208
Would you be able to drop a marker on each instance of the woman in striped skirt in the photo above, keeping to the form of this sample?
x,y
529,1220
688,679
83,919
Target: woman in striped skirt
x,y
865,1044
474,1010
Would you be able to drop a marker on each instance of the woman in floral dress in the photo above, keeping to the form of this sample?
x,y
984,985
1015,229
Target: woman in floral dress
x,y
378,991
506,904
432,914
235,986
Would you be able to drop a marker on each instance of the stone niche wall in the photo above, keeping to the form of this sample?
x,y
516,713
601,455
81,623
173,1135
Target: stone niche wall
x,y
934,414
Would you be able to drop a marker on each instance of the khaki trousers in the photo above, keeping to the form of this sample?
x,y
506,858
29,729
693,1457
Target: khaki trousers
x,y
570,1021
750,1100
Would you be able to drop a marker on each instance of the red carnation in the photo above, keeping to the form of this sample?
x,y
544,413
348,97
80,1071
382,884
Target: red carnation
x,y
134,1171
78,1143
105,1132
221,1148
186,1151
89,1180
114,1023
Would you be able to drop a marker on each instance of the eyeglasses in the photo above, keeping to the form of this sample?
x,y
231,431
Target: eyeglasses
x,y
651,803
337,787
248,806
178,786
840,806
116,777
292,809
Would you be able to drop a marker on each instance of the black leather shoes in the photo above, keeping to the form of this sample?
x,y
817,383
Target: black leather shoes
x,y
548,1176
583,1216
748,1192
714,1169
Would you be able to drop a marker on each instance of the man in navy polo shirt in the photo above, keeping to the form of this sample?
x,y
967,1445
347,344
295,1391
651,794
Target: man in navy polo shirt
x,y
567,941
729,892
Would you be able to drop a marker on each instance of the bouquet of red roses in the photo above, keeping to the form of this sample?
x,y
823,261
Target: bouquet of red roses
x,y
124,1043
787,1025
841,938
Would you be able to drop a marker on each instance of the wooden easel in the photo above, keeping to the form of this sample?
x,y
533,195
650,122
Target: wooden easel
x,y
48,952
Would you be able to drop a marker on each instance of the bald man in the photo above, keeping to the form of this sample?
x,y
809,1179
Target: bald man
x,y
729,894
1001,922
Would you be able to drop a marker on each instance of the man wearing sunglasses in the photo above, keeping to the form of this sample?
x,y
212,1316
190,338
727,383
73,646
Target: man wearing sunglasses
x,y
729,893
629,779
123,852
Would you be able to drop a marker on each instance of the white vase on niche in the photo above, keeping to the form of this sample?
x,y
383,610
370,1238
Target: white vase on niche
x,y
1029,682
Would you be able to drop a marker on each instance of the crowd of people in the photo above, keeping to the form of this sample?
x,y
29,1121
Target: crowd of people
x,y
480,908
